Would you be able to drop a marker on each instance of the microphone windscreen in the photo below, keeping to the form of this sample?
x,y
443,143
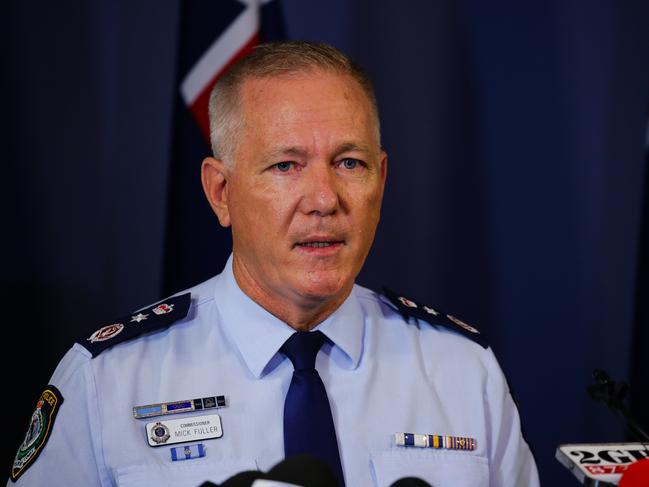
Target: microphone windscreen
x,y
272,483
304,470
637,475
244,479
410,482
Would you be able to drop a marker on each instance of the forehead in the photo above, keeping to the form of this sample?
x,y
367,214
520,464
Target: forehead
x,y
328,82
306,101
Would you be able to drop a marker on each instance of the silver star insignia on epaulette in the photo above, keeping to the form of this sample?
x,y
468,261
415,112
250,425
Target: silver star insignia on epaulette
x,y
139,317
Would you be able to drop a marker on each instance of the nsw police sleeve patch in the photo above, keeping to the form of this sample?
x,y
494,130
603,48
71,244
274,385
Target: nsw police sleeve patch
x,y
38,432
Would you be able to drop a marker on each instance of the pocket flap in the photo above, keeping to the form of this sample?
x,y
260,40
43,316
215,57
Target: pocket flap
x,y
439,469
190,473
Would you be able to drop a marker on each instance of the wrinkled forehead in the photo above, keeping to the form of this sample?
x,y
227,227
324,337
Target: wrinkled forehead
x,y
312,89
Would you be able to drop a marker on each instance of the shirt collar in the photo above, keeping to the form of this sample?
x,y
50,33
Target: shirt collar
x,y
258,335
345,328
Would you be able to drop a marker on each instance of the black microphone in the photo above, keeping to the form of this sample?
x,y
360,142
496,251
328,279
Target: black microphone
x,y
410,482
298,470
304,470
242,479
607,463
612,394
301,471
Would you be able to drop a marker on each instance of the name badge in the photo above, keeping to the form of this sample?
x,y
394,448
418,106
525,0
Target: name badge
x,y
193,428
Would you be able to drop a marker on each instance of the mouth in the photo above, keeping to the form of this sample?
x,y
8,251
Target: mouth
x,y
320,245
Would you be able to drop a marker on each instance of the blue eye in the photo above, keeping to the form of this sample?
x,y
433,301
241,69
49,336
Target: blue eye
x,y
284,166
349,163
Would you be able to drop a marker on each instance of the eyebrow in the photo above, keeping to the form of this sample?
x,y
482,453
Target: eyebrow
x,y
298,151
288,151
351,146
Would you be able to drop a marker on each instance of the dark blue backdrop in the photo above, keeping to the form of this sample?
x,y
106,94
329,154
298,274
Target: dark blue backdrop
x,y
516,135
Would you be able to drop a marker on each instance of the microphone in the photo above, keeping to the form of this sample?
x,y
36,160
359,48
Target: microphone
x,y
602,464
612,395
637,475
410,482
249,479
305,471
296,471
606,464
299,471
242,479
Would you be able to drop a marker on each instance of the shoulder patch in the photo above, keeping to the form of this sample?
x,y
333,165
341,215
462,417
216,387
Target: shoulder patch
x,y
155,317
408,307
38,432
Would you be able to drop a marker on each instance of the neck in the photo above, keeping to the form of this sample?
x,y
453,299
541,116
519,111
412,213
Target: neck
x,y
302,313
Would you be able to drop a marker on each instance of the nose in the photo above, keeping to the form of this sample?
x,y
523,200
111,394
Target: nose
x,y
320,191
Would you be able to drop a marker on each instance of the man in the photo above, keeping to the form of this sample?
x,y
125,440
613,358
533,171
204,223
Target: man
x,y
210,383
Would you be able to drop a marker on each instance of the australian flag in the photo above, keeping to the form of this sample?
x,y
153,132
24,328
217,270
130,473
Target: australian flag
x,y
214,34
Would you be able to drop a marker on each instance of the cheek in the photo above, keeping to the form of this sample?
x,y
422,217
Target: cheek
x,y
368,204
371,218
261,210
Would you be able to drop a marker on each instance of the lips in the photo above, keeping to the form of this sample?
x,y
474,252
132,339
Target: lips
x,y
319,242
319,245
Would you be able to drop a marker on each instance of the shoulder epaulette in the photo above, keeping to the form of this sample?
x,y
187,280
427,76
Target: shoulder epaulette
x,y
408,307
155,317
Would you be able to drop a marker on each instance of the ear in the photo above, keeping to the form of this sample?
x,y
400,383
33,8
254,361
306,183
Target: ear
x,y
214,176
384,167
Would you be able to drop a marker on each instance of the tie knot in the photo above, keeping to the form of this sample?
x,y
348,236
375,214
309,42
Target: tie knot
x,y
302,347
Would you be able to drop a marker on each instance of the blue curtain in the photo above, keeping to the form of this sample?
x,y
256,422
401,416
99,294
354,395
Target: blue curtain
x,y
515,133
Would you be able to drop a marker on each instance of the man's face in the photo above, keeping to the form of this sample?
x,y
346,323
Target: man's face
x,y
304,194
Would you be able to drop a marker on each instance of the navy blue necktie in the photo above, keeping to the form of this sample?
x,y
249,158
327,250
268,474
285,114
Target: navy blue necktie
x,y
308,424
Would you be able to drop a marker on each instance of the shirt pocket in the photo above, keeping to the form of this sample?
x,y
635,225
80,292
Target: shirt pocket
x,y
189,473
439,469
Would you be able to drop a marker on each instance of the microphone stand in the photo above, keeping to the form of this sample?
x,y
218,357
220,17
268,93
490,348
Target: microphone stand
x,y
612,395
605,464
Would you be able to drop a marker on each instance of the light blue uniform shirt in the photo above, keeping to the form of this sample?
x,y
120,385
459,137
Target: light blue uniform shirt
x,y
383,375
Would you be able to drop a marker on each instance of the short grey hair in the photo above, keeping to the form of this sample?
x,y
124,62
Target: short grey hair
x,y
274,59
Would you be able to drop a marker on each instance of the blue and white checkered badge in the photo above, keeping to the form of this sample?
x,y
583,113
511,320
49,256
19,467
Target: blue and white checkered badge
x,y
187,452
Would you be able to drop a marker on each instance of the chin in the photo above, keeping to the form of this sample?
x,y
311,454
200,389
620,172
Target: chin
x,y
320,286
